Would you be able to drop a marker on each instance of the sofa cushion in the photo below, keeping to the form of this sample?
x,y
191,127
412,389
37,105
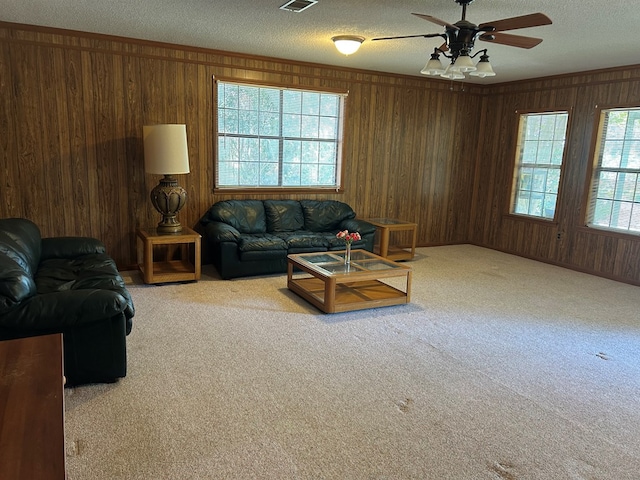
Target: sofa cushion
x,y
260,242
283,215
246,216
303,240
325,215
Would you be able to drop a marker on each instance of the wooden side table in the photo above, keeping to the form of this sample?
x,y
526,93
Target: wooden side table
x,y
169,257
32,409
384,247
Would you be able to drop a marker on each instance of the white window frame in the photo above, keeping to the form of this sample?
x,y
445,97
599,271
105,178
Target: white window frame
x,y
614,191
310,143
538,164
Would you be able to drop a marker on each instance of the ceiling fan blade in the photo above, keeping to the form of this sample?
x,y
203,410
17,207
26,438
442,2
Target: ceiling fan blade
x,y
435,20
426,35
511,40
525,21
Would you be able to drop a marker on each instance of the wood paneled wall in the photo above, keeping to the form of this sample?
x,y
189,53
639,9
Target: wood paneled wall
x,y
565,241
72,107
74,104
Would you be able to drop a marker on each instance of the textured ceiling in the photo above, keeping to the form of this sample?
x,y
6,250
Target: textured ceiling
x,y
585,34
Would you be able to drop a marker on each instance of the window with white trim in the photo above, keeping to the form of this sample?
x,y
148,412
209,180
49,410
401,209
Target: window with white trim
x,y
272,137
539,157
614,200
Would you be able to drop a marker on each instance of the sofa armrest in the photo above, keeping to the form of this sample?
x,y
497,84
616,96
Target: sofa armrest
x,y
70,247
60,310
221,232
356,225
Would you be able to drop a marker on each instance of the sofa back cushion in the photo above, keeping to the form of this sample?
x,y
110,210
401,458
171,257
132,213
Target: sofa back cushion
x,y
20,249
283,215
246,216
325,215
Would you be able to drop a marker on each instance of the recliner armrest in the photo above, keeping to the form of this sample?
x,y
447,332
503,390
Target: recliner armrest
x,y
70,247
60,310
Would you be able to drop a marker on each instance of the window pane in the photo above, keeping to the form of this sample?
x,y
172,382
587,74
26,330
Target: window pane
x,y
268,174
540,153
615,197
547,127
602,212
549,206
292,101
249,173
530,151
291,125
544,152
248,122
635,218
266,133
311,103
310,126
553,181
329,105
611,154
270,124
270,100
269,150
631,154
291,175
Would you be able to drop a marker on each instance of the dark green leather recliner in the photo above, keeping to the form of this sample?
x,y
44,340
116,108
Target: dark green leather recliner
x,y
65,285
254,237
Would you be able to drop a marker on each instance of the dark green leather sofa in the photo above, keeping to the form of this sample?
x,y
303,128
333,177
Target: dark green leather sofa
x,y
254,237
65,285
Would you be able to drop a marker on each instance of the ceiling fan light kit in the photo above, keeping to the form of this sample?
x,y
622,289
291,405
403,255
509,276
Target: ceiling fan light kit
x,y
460,38
347,44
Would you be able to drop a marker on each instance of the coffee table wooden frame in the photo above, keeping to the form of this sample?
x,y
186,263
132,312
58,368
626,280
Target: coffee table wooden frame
x,y
337,289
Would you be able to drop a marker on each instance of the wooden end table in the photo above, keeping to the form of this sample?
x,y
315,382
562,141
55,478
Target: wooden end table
x,y
32,409
166,257
332,286
384,247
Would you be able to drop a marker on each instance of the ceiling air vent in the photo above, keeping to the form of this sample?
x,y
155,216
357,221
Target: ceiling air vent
x,y
298,5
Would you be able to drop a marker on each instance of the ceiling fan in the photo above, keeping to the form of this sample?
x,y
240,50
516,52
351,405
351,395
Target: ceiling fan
x,y
460,38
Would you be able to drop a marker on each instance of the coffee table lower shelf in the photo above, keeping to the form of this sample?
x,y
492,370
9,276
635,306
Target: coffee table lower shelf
x,y
347,296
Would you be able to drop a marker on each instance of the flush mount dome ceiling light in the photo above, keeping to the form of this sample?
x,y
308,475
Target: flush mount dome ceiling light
x,y
460,38
347,44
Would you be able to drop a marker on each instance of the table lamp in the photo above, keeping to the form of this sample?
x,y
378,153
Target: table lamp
x,y
166,153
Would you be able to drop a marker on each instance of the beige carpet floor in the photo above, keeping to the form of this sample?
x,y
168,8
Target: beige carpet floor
x,y
499,368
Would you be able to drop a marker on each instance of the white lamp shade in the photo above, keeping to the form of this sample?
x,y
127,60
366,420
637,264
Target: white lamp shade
x,y
165,149
433,67
452,74
463,64
483,69
347,44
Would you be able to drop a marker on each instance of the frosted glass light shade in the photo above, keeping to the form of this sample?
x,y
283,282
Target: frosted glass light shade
x,y
463,64
452,74
433,67
347,44
483,69
165,149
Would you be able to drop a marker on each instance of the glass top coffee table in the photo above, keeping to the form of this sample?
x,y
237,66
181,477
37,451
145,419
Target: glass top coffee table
x,y
325,281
